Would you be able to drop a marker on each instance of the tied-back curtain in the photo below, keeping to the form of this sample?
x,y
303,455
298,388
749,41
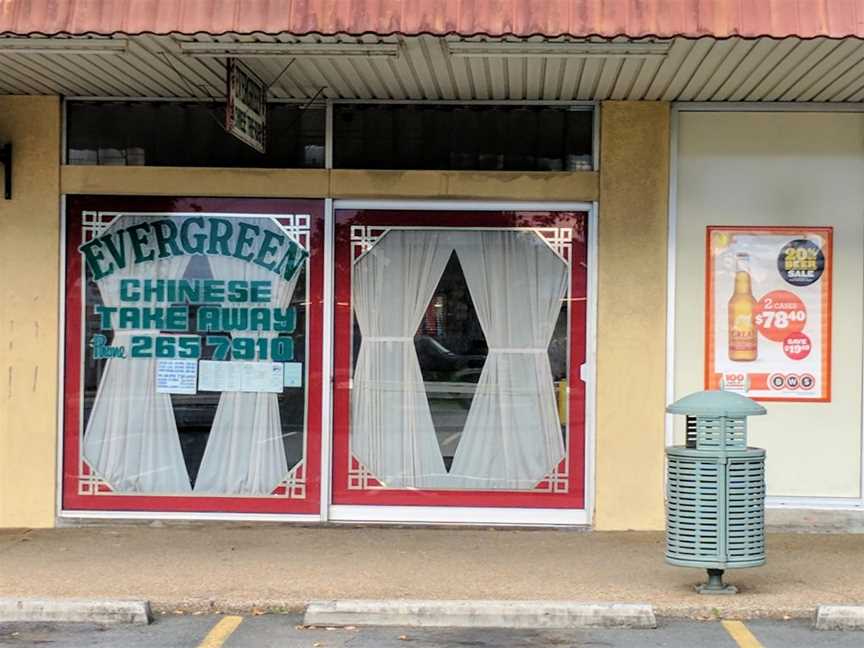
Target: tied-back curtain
x,y
245,453
392,432
131,439
512,436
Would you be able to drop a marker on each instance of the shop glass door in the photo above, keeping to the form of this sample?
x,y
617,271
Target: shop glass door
x,y
460,338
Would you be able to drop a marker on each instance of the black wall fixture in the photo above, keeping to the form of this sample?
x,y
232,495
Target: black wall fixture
x,y
6,161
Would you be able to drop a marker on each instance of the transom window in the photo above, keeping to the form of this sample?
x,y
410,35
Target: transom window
x,y
491,137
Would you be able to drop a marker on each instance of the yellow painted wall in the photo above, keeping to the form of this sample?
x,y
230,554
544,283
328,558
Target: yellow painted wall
x,y
631,317
196,181
29,260
323,183
474,185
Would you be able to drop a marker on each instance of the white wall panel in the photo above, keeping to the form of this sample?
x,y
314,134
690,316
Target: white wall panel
x,y
770,168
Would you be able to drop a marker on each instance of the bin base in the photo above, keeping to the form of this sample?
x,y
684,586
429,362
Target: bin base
x,y
715,584
704,588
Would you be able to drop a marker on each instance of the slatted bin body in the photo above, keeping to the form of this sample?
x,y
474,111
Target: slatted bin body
x,y
745,509
693,507
715,508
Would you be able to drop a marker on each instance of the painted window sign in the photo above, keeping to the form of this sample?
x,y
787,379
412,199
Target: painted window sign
x,y
163,304
189,320
211,235
768,316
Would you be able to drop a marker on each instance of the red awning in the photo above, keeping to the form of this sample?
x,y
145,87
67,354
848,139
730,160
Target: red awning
x,y
577,18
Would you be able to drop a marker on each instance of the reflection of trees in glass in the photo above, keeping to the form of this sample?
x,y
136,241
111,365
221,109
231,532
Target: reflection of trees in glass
x,y
465,334
514,138
449,341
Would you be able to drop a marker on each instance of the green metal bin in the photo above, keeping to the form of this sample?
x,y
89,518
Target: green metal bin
x,y
715,497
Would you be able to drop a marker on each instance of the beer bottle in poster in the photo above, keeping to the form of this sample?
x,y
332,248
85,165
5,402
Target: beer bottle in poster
x,y
742,307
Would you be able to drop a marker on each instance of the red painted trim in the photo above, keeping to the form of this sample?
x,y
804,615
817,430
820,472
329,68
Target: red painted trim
x,y
578,357
575,497
72,429
73,360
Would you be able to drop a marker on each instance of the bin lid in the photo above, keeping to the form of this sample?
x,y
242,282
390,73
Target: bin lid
x,y
716,403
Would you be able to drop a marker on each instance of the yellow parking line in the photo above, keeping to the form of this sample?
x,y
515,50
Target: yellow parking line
x,y
221,631
741,634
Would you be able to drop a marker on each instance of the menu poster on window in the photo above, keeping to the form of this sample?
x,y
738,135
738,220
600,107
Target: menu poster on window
x,y
236,376
176,376
293,374
768,312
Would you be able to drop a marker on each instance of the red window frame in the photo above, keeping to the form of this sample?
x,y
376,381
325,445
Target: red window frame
x,y
72,381
345,219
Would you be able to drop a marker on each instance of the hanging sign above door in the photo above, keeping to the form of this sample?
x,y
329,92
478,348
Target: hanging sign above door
x,y
246,112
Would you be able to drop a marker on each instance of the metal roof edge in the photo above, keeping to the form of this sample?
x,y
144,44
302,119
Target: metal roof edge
x,y
382,34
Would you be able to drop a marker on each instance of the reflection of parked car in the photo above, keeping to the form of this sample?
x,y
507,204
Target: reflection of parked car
x,y
195,412
440,364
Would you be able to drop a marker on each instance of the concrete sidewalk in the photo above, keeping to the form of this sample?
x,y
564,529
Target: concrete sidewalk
x,y
238,567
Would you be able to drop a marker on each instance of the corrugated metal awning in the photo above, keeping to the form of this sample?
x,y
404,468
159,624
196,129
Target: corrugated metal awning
x,y
550,18
440,68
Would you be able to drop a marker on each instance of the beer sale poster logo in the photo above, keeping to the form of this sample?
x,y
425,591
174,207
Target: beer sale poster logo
x,y
768,312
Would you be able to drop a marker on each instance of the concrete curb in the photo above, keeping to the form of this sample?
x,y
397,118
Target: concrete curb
x,y
297,606
730,611
47,610
480,614
840,617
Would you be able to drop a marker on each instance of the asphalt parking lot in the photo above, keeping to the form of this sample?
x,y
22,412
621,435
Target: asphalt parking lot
x,y
286,631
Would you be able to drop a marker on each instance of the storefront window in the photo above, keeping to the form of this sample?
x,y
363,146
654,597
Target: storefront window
x,y
188,134
443,137
190,353
463,346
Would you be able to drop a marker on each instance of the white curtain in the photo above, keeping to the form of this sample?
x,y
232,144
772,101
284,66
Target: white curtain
x,y
392,432
245,454
512,436
131,438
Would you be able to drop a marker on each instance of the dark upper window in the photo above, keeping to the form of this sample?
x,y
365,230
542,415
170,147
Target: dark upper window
x,y
365,136
460,137
188,134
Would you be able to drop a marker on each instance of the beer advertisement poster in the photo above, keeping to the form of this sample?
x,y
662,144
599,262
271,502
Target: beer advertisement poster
x,y
768,312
